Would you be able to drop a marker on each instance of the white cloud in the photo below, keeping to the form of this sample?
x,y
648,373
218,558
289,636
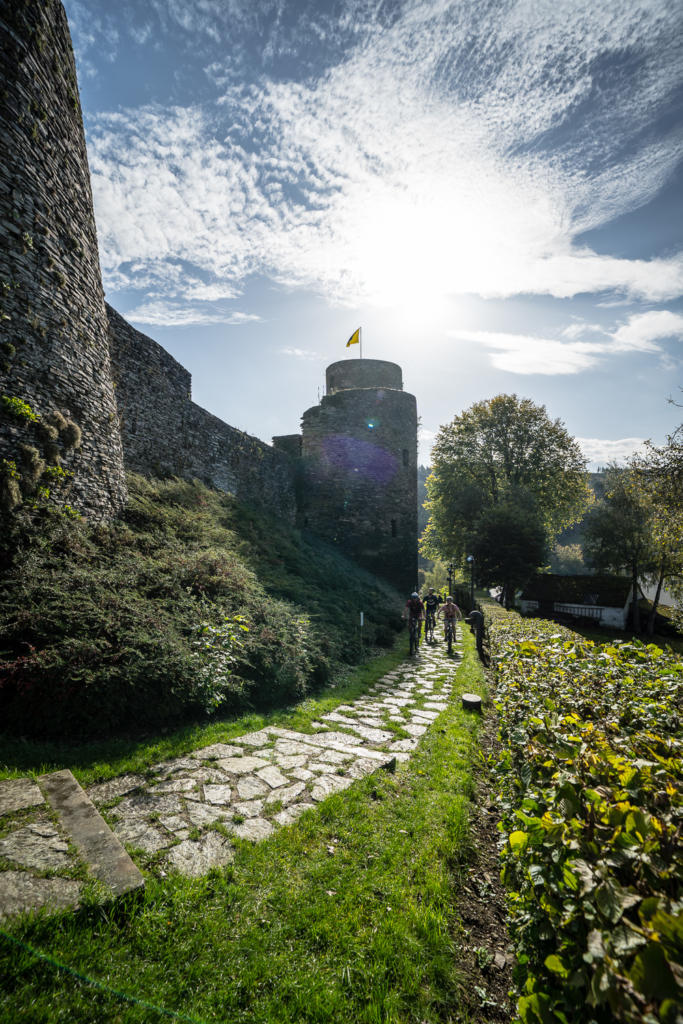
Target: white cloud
x,y
162,314
600,452
527,354
458,150
643,330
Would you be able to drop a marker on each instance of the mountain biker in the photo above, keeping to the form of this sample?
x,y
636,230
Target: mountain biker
x,y
449,610
414,609
431,602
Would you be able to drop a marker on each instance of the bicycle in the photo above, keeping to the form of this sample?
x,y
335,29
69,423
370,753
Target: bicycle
x,y
414,627
430,622
449,633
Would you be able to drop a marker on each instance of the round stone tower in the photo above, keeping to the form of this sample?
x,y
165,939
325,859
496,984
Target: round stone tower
x,y
54,344
359,449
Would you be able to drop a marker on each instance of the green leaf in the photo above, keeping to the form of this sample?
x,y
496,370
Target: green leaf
x,y
518,842
651,973
625,940
557,965
611,900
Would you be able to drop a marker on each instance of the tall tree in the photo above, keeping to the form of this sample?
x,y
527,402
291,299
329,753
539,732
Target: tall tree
x,y
618,533
658,473
508,546
503,452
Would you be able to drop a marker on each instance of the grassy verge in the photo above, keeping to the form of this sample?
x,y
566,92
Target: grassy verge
x,y
349,915
104,759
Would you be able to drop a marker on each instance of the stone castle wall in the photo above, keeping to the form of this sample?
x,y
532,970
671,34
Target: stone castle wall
x,y
54,351
359,450
62,351
165,433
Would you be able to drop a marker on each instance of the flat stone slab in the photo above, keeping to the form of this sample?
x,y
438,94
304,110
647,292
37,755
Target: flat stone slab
x,y
37,846
287,794
255,739
249,787
290,814
362,767
415,730
21,892
249,808
141,805
141,836
241,765
328,784
254,829
273,776
183,785
403,745
333,756
217,794
18,794
216,750
102,792
195,858
97,844
290,747
205,814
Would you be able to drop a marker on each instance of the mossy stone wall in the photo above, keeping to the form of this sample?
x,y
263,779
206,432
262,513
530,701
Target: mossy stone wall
x,y
54,351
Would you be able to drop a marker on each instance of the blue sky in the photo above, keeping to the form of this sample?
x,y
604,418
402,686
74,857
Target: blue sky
x,y
492,189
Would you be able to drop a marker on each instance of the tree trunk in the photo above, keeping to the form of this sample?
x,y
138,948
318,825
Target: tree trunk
x,y
635,603
653,611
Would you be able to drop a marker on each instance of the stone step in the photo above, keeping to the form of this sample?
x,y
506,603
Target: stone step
x,y
98,846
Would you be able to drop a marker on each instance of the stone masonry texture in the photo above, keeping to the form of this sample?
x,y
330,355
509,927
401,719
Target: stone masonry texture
x,y
359,450
165,433
54,351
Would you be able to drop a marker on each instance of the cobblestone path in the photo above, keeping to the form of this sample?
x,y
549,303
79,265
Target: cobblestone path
x,y
252,784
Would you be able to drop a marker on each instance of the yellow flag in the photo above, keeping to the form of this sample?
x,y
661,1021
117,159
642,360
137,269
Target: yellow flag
x,y
354,339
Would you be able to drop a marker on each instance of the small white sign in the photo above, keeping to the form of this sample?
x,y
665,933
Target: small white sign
x,y
361,618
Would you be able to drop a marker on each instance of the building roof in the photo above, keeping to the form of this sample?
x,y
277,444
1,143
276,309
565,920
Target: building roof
x,y
603,590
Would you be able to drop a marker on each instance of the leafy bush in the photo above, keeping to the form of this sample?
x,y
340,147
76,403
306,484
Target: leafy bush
x,y
592,809
189,604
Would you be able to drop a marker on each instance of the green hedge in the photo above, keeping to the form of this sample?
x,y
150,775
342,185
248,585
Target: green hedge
x,y
592,860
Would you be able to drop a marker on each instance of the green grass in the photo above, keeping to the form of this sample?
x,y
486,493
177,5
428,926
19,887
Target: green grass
x,y
107,758
346,916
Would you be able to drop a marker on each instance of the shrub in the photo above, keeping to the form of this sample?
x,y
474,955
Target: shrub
x,y
592,808
188,605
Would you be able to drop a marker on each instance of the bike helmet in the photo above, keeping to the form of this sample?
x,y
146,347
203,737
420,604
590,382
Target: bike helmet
x,y
449,598
415,595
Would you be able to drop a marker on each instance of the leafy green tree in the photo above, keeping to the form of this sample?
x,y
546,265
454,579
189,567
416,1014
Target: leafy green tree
x,y
619,535
567,560
508,547
657,473
502,452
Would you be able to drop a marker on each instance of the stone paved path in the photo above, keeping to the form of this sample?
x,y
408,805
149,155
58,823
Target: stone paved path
x,y
252,785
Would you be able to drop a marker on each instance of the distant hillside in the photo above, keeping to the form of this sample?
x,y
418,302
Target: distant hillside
x,y
188,604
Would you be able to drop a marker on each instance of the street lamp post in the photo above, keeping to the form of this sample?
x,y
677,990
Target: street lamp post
x,y
451,575
470,559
